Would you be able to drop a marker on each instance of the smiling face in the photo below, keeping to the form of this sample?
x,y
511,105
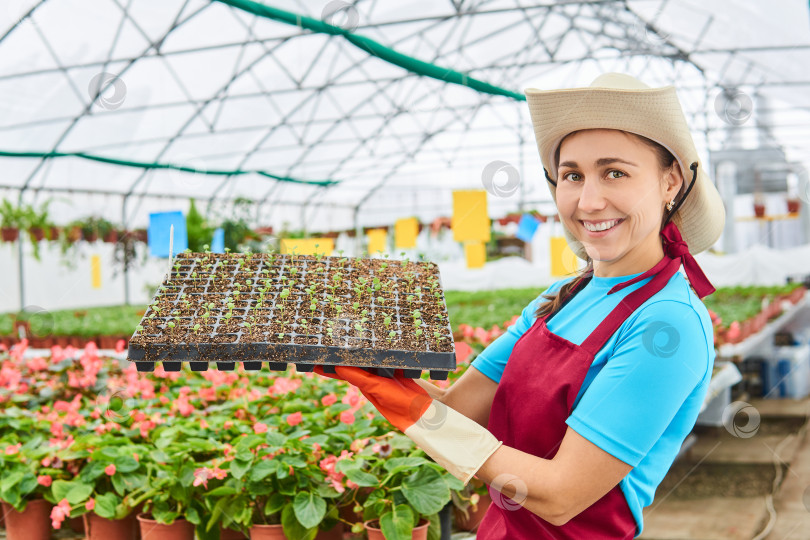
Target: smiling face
x,y
611,195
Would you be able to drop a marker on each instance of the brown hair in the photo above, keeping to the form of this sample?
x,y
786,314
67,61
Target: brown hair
x,y
555,301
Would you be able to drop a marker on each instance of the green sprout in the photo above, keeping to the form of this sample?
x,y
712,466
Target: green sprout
x,y
387,321
139,328
170,324
196,327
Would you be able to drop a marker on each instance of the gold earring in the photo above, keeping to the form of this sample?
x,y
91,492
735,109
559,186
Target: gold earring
x,y
670,204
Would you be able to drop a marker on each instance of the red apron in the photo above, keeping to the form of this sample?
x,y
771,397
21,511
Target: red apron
x,y
535,397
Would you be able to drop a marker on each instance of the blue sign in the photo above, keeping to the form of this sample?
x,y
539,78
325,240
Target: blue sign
x,y
159,227
527,227
218,243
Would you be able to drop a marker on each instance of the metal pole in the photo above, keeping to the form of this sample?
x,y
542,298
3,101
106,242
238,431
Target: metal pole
x,y
126,265
20,256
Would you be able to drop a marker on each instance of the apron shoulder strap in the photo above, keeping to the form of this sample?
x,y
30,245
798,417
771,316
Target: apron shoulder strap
x,y
594,342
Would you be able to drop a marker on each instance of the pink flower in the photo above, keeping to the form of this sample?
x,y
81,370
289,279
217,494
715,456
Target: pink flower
x,y
259,427
328,400
201,477
110,469
358,444
13,449
295,418
228,424
44,480
59,513
89,505
120,345
347,417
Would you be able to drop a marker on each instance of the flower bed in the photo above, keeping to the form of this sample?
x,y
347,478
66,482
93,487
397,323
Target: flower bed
x,y
219,449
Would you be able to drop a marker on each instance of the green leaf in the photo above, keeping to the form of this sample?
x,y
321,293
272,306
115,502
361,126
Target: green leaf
x,y
126,464
221,490
75,491
398,523
193,516
309,509
435,528
106,504
263,469
426,491
292,528
361,478
407,462
239,468
91,471
274,504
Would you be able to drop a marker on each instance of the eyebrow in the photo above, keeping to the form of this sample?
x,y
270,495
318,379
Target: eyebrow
x,y
599,162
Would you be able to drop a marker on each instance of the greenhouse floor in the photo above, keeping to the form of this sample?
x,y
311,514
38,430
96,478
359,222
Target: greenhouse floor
x,y
720,488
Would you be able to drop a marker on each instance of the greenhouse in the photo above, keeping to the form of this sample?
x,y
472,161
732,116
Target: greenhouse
x,y
423,269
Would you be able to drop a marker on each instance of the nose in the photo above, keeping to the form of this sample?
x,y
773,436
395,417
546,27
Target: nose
x,y
591,197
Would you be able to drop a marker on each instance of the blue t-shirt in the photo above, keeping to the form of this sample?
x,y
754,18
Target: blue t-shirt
x,y
644,390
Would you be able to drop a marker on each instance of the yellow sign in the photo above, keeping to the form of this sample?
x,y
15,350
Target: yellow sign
x,y
307,246
476,254
564,261
405,233
470,217
95,271
376,240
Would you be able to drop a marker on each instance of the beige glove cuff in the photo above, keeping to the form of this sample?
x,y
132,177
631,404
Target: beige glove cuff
x,y
455,442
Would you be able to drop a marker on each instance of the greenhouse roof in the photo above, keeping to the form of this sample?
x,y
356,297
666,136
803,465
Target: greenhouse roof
x,y
324,112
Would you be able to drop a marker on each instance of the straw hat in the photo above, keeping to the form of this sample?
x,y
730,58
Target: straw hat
x,y
619,101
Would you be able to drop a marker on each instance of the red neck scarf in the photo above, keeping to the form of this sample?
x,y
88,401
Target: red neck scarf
x,y
675,249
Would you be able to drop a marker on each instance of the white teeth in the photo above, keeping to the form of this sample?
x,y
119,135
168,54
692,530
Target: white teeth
x,y
603,226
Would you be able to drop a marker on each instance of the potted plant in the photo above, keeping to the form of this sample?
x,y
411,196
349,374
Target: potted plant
x,y
38,224
10,221
26,484
199,231
470,504
759,205
408,491
111,478
793,205
278,488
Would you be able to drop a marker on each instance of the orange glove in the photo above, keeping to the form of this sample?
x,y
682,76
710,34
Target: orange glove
x,y
455,442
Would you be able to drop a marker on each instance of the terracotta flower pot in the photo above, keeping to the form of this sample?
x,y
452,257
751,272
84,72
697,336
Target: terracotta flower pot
x,y
793,205
38,233
99,528
374,533
180,529
266,532
473,518
10,234
230,534
759,210
111,237
74,234
33,523
91,236
53,233
335,533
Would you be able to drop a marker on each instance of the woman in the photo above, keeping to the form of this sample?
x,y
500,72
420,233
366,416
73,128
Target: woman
x,y
588,397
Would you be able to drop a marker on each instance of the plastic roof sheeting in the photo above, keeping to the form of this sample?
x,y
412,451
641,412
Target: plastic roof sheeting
x,y
207,87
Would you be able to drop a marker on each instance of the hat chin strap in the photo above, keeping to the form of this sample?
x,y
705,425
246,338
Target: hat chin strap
x,y
694,167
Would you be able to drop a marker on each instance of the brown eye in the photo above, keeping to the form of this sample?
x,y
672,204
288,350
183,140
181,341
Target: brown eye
x,y
566,176
615,171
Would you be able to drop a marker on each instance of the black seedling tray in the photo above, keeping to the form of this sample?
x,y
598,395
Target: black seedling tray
x,y
295,309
